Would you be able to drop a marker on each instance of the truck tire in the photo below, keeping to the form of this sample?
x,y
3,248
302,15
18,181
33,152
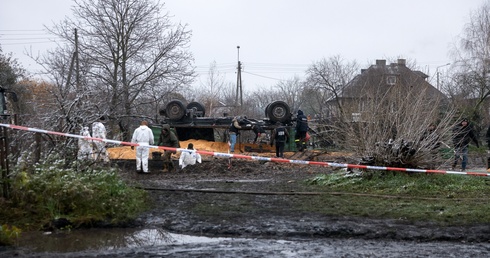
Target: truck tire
x,y
267,110
175,110
198,107
278,111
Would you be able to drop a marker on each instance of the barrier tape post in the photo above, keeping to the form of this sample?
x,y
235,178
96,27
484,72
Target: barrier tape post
x,y
240,156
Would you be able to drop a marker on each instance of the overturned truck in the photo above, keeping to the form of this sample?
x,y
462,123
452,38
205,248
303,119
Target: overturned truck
x,y
189,121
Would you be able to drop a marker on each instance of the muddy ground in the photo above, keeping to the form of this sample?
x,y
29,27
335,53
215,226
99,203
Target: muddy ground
x,y
254,202
269,189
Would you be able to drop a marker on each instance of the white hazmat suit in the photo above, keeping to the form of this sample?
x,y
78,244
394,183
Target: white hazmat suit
x,y
84,145
100,151
189,157
143,135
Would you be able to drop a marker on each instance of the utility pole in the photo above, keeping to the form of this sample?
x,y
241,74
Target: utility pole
x,y
239,81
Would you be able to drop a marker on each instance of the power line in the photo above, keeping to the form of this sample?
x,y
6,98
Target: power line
x,y
23,34
21,30
27,38
267,77
255,69
27,43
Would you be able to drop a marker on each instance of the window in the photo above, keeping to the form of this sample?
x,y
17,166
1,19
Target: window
x,y
356,117
391,80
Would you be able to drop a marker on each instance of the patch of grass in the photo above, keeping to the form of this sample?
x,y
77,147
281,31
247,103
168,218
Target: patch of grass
x,y
444,199
52,191
8,234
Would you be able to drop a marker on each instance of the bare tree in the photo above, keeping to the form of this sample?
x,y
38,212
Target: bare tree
x,y
265,96
210,92
291,92
326,80
392,130
131,58
471,65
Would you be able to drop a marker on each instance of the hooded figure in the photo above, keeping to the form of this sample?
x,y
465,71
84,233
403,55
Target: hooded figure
x,y
463,134
99,131
301,130
168,139
189,157
84,145
143,136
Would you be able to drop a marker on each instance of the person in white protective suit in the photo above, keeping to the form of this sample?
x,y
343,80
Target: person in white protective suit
x,y
84,145
98,131
189,157
143,136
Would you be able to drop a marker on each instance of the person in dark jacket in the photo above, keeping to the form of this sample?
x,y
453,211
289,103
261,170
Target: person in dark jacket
x,y
301,130
168,139
260,134
487,137
280,136
233,131
463,134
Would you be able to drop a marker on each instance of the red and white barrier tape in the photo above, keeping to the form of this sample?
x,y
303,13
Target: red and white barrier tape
x,y
239,156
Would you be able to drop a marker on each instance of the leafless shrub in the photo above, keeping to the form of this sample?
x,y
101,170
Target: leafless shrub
x,y
392,128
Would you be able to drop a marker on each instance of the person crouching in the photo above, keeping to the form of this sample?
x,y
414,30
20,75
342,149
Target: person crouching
x,y
190,157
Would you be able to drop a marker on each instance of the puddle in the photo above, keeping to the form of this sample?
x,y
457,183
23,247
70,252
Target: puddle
x,y
234,180
159,243
106,239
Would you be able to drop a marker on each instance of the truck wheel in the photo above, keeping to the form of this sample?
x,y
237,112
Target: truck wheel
x,y
278,111
199,108
267,110
175,110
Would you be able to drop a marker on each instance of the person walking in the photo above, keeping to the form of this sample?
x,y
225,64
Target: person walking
x,y
143,136
190,157
463,134
233,131
301,130
280,136
85,146
168,139
99,131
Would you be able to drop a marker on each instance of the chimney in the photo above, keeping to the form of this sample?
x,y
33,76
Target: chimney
x,y
380,62
402,62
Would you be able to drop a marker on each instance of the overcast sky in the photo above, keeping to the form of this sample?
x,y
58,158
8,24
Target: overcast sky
x,y
278,39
